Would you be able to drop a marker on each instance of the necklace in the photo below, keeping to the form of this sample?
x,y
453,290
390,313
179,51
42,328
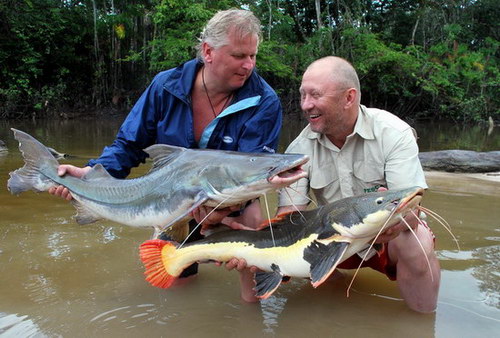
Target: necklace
x,y
208,96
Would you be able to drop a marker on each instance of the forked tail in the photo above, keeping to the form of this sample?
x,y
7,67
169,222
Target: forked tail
x,y
39,165
151,255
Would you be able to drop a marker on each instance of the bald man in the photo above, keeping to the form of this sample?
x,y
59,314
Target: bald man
x,y
355,150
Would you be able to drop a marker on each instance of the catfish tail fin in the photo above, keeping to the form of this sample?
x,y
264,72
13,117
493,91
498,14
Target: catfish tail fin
x,y
39,165
151,255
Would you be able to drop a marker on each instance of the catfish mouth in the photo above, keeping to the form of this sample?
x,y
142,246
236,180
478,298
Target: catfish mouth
x,y
411,201
284,176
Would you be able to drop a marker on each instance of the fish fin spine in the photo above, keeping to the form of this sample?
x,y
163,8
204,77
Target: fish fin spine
x,y
151,255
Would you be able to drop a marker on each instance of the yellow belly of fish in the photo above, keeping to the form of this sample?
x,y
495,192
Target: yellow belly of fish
x,y
289,259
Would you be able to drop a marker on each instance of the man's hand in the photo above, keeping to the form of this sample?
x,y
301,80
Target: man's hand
x,y
240,265
249,219
208,217
398,228
67,169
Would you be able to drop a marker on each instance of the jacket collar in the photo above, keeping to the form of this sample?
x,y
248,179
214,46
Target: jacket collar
x,y
180,82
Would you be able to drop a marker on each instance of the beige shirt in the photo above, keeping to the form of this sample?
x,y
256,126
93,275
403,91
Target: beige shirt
x,y
381,152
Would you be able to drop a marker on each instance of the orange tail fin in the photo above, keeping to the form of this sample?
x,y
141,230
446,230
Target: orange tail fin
x,y
156,274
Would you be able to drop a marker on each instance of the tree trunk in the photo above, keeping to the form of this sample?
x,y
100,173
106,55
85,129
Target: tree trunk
x,y
96,40
270,22
318,14
412,42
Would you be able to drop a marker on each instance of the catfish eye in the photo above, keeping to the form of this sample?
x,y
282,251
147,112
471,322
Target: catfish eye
x,y
252,159
380,200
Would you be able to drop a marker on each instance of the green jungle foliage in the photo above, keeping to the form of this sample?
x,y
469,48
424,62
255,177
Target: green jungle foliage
x,y
419,59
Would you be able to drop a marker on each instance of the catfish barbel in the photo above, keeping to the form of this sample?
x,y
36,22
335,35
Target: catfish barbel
x,y
306,244
179,181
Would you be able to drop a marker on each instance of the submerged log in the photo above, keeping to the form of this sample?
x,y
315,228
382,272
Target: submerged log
x,y
464,161
3,147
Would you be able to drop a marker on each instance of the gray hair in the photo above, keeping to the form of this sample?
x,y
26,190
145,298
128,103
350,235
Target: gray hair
x,y
239,21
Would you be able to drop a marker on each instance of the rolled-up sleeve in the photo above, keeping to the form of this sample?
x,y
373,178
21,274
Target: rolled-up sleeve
x,y
402,165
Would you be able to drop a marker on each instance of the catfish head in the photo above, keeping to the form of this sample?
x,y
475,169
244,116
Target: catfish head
x,y
363,216
234,175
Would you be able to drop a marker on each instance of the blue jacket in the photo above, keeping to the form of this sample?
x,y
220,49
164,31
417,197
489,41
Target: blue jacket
x,y
163,114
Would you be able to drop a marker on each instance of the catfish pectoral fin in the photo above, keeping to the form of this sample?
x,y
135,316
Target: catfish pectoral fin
x,y
151,255
323,258
200,198
267,282
84,215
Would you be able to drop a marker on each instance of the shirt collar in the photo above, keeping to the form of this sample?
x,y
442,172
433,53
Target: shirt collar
x,y
321,138
363,124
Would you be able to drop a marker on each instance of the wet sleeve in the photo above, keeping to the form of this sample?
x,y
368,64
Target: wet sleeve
x,y
261,132
402,167
137,132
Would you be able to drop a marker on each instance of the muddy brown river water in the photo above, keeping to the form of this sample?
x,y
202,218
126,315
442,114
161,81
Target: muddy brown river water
x,y
61,279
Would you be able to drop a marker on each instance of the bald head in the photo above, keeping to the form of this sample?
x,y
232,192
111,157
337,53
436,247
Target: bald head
x,y
342,72
330,98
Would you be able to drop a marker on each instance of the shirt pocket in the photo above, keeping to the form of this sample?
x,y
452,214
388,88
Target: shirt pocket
x,y
324,177
369,176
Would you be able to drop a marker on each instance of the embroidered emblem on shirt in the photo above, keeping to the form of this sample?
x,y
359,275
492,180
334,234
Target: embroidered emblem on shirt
x,y
372,189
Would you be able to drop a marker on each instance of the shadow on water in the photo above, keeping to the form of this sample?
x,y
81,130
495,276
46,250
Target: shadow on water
x,y
62,279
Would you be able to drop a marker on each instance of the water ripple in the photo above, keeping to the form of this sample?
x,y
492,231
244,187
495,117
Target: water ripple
x,y
13,325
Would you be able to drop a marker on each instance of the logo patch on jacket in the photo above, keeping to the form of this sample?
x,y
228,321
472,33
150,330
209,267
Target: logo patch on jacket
x,y
227,139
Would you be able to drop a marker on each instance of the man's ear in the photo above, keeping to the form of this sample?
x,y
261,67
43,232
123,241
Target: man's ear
x,y
351,96
206,51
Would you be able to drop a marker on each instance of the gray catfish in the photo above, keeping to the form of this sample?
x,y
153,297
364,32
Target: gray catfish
x,y
179,181
308,244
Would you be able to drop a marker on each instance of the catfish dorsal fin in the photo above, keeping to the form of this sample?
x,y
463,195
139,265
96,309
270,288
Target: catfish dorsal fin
x,y
163,153
96,172
264,224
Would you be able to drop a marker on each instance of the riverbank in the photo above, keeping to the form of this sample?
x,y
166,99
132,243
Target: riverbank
x,y
484,183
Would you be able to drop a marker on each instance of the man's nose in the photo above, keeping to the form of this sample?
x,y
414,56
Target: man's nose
x,y
306,103
248,63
